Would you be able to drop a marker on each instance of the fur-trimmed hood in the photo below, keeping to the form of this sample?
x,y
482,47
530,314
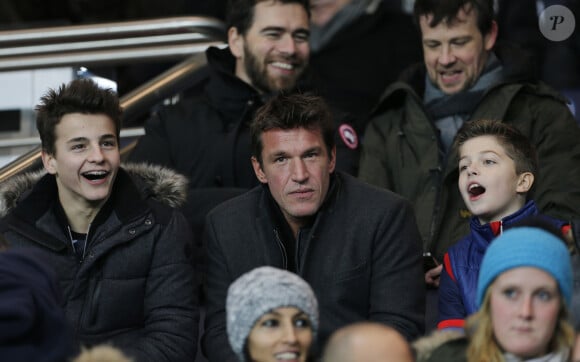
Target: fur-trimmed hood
x,y
160,183
424,346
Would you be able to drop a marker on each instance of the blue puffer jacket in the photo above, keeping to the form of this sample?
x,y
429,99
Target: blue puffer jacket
x,y
461,263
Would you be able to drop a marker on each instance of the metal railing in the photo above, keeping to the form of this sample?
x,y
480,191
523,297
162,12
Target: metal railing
x,y
108,43
52,47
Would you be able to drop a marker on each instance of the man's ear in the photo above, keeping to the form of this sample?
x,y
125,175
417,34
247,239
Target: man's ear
x,y
236,42
525,182
49,162
332,157
258,171
490,38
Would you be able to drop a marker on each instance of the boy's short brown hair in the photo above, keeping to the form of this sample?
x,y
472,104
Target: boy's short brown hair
x,y
517,146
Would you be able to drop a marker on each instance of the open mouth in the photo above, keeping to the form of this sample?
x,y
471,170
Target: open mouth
x,y
95,175
449,72
287,356
475,190
450,76
283,65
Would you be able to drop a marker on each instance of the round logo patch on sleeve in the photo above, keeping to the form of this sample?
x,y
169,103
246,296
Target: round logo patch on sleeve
x,y
348,135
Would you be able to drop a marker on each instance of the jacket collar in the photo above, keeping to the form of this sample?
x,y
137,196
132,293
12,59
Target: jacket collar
x,y
31,194
484,234
225,88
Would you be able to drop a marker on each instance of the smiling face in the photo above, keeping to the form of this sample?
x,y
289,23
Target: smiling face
x,y
296,166
274,51
488,182
525,305
284,334
455,54
85,161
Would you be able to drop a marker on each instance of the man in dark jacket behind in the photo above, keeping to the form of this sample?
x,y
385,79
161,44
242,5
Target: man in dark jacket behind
x,y
355,244
119,247
464,77
205,136
349,60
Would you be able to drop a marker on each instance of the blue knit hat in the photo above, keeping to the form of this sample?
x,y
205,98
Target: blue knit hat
x,y
260,291
526,246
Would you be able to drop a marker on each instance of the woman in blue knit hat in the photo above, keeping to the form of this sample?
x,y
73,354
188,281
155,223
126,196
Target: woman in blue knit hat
x,y
524,291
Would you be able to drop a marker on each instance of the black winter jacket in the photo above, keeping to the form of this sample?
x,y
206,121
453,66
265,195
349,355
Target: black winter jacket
x,y
362,259
134,287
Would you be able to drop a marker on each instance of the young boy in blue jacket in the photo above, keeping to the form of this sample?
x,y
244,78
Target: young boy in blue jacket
x,y
497,165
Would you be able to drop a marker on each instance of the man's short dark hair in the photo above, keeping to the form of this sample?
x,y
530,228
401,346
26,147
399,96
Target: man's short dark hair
x,y
446,11
291,111
79,96
240,13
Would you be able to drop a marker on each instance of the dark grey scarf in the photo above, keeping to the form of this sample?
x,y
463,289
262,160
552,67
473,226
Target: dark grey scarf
x,y
450,111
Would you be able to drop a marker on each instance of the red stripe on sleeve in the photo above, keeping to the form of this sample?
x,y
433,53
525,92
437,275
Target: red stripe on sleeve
x,y
565,229
447,264
451,323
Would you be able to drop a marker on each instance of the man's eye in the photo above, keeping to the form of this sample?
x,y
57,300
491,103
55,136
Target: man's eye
x,y
431,45
279,159
460,42
489,162
77,147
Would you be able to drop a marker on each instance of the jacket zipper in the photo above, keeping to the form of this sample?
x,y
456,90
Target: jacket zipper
x,y
282,249
433,230
85,244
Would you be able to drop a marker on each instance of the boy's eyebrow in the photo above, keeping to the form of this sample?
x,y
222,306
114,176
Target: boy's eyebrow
x,y
77,139
482,152
489,151
85,139
108,136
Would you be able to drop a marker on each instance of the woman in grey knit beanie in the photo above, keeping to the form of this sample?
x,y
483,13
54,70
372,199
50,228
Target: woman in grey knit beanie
x,y
272,314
